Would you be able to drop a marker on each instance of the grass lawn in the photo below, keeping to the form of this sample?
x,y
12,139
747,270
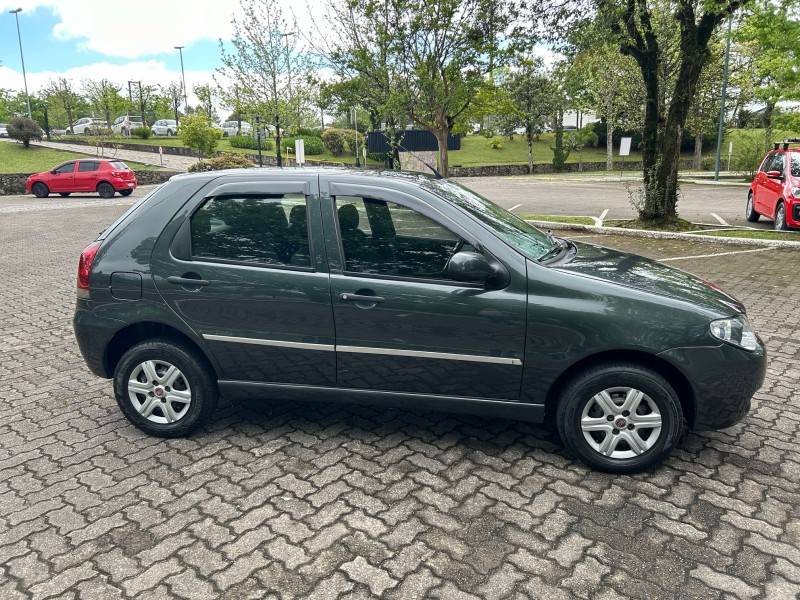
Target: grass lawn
x,y
560,219
760,234
677,225
15,158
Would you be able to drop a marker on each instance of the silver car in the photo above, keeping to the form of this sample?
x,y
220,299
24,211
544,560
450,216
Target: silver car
x,y
232,128
88,125
3,130
165,127
126,123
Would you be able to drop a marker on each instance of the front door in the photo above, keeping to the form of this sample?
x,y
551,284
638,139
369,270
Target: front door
x,y
768,189
423,333
62,178
246,270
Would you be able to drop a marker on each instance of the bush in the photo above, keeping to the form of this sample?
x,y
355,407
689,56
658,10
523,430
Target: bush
x,y
313,144
250,143
226,161
488,133
495,143
24,130
196,131
142,133
309,131
340,141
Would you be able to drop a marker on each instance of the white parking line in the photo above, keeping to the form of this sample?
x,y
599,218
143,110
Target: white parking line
x,y
713,255
515,207
720,219
603,215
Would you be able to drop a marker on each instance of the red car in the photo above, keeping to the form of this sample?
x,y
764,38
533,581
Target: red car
x,y
86,175
775,191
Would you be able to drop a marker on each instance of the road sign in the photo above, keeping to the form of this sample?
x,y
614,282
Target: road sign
x,y
625,146
299,151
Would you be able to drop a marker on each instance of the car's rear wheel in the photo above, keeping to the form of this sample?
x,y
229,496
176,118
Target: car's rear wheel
x,y
780,217
620,418
164,389
126,192
106,190
750,212
64,194
40,190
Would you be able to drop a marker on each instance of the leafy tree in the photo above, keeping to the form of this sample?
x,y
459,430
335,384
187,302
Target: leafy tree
x,y
174,95
105,97
527,88
62,92
205,96
196,131
704,112
557,103
24,130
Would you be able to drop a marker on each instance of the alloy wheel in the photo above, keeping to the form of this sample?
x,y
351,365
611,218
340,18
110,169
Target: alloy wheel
x,y
621,422
159,392
780,218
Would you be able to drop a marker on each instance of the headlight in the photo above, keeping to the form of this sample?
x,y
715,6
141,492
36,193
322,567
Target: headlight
x,y
736,331
796,192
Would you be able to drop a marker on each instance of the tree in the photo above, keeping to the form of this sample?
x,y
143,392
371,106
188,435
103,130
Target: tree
x,y
205,96
61,90
527,87
769,36
174,94
24,130
704,112
557,102
105,97
197,131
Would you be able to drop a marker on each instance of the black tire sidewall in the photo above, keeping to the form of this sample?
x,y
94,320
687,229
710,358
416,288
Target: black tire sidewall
x,y
580,391
780,225
750,210
103,188
40,186
196,372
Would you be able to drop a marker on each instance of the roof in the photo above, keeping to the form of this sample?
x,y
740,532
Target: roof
x,y
269,172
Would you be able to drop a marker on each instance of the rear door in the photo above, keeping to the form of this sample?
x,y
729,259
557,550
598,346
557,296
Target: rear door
x,y
86,176
424,333
246,270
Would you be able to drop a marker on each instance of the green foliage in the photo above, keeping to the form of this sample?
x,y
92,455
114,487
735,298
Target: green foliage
x,y
196,131
309,131
226,161
339,141
249,142
24,130
495,143
142,133
748,148
488,133
787,120
313,144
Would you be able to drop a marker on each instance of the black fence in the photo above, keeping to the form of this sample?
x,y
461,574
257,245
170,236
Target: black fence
x,y
412,140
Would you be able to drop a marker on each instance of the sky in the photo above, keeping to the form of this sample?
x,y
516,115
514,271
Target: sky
x,y
92,39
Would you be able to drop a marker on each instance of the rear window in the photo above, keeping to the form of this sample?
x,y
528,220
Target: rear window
x,y
119,165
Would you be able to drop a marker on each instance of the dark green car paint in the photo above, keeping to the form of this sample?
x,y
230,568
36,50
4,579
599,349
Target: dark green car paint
x,y
549,319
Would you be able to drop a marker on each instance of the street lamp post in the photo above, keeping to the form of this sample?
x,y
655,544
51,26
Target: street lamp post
x,y
22,60
258,137
720,125
183,77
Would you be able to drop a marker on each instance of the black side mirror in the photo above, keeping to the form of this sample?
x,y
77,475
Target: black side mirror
x,y
472,267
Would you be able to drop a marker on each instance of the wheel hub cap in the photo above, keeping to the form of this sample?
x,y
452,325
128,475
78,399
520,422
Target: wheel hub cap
x,y
159,392
621,422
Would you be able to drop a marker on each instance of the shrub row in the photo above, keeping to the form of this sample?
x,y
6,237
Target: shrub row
x,y
226,161
250,143
313,144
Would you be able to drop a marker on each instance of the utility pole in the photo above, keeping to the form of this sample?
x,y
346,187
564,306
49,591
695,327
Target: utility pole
x,y
258,137
141,104
721,124
22,60
183,78
355,126
278,140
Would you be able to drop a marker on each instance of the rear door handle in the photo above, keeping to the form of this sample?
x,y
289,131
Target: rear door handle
x,y
362,298
187,281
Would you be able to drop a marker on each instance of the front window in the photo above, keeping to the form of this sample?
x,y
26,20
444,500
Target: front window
x,y
66,168
517,233
795,165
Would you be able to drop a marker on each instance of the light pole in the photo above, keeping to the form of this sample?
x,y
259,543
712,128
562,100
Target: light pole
x,y
720,125
22,59
183,77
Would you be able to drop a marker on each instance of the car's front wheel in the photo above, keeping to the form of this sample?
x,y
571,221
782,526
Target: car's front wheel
x,y
620,418
164,389
40,190
750,212
780,217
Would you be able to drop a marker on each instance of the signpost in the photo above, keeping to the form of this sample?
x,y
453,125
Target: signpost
x,y
624,150
161,155
299,152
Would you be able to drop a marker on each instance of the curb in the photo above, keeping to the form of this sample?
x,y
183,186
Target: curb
x,y
665,235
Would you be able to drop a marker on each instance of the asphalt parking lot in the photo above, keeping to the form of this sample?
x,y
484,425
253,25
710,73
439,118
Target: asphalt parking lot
x,y
315,501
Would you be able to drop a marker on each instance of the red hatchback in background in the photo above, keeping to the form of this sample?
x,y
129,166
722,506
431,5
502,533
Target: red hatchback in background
x,y
775,191
86,175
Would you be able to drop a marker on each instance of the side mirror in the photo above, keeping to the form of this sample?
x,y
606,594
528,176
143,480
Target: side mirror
x,y
774,174
54,172
472,267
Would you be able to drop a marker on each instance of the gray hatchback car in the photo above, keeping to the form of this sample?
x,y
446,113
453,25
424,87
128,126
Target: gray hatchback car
x,y
403,290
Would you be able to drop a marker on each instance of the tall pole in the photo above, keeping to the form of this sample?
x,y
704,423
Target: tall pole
x,y
183,77
355,126
141,104
22,60
721,124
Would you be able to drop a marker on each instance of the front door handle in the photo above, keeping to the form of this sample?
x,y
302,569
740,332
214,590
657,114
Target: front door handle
x,y
187,281
362,298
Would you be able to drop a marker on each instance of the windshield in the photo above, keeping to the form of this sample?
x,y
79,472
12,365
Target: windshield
x,y
523,236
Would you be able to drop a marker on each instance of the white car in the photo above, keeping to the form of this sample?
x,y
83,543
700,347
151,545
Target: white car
x,y
88,125
3,130
165,127
126,123
232,128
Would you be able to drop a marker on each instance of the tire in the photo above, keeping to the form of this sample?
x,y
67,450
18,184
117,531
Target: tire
x,y
105,189
195,381
620,381
64,194
780,218
169,132
126,192
40,190
750,211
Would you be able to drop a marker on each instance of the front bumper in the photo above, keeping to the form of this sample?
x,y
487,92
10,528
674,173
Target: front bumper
x,y
723,379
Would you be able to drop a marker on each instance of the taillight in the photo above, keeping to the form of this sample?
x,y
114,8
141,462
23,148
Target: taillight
x,y
85,264
115,173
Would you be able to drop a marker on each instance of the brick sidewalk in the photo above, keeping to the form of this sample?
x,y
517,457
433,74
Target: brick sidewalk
x,y
315,501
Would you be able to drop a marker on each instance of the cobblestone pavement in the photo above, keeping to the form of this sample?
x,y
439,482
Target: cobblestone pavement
x,y
311,501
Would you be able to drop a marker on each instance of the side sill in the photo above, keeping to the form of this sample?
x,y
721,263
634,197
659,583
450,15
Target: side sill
x,y
518,411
